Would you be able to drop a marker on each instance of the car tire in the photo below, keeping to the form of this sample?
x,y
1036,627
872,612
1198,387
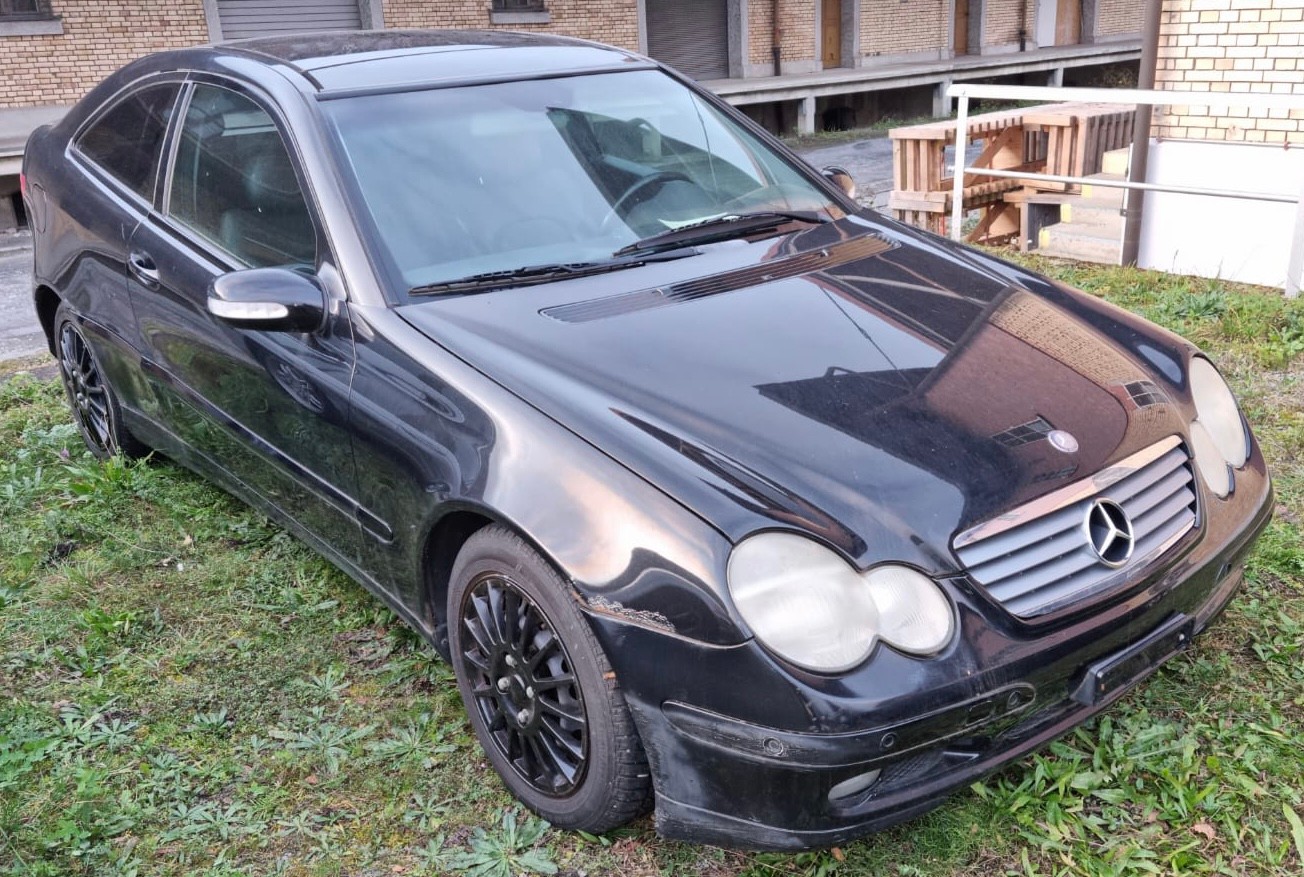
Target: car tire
x,y
94,403
538,689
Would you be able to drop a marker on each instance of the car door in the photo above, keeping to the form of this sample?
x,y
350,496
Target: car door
x,y
107,187
265,411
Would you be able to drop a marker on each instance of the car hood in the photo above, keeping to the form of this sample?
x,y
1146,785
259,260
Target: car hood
x,y
872,386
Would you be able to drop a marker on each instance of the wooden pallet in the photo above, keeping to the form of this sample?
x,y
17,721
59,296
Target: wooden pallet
x,y
1062,139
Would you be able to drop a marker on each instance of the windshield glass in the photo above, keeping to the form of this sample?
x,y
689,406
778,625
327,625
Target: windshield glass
x,y
462,181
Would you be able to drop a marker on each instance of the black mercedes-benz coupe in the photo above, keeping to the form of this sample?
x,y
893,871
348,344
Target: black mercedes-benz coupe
x,y
722,494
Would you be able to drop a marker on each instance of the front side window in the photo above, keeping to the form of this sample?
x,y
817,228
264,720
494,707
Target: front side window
x,y
126,141
488,178
234,184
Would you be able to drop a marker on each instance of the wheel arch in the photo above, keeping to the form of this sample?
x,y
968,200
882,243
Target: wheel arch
x,y
444,541
47,303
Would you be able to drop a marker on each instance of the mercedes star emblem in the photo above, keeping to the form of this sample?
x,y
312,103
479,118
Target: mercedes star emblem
x,y
1109,532
1062,441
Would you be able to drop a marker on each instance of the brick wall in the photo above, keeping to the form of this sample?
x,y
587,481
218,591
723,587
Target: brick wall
x,y
1003,21
1231,46
796,18
889,27
1118,17
98,38
607,21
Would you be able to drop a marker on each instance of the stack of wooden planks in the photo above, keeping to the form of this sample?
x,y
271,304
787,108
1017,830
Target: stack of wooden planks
x,y
1063,139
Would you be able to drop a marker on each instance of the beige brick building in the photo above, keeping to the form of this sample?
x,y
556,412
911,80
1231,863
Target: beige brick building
x,y
52,51
1232,46
1227,47
789,63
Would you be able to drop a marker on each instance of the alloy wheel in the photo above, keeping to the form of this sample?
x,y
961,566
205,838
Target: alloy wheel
x,y
524,686
87,393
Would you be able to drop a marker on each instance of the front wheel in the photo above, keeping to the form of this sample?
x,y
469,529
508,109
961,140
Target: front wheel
x,y
538,689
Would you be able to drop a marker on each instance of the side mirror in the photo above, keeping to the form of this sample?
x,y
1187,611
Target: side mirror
x,y
270,299
841,178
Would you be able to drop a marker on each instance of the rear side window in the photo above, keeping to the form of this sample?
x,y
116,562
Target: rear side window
x,y
234,183
126,141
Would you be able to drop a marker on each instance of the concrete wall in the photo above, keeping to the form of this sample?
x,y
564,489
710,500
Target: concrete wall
x,y
1247,241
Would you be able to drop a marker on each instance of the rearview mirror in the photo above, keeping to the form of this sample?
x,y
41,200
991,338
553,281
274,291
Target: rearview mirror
x,y
841,178
270,299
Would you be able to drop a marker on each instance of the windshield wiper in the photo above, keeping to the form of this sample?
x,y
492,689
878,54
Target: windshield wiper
x,y
718,228
532,274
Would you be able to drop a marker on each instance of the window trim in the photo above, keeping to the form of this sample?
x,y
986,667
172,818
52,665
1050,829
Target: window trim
x,y
527,12
163,190
103,174
40,22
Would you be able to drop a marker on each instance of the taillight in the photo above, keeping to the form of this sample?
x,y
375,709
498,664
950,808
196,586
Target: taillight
x,y
22,186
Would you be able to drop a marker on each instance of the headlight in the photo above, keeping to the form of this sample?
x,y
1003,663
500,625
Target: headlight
x,y
1210,461
1218,440
1216,408
806,604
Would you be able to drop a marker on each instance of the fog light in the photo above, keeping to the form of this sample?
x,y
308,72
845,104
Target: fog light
x,y
854,786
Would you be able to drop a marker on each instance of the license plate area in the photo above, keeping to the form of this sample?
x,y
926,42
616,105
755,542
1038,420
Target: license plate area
x,y
1129,666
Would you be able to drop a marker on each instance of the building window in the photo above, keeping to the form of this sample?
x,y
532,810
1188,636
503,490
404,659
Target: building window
x,y
511,12
24,10
25,18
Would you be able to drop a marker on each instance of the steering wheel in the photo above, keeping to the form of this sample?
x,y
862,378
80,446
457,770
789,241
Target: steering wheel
x,y
656,178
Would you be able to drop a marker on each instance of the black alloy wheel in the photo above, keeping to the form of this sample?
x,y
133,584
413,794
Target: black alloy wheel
x,y
525,692
538,689
94,406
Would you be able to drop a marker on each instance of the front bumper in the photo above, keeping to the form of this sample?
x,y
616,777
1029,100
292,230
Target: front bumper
x,y
715,721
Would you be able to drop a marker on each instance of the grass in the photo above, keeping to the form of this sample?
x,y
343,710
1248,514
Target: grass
x,y
184,689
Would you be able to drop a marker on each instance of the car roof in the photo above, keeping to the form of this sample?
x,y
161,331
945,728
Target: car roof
x,y
352,61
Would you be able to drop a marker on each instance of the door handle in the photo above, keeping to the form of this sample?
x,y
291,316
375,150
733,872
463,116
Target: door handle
x,y
142,267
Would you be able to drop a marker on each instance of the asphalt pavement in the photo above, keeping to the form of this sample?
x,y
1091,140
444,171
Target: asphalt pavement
x,y
868,161
20,333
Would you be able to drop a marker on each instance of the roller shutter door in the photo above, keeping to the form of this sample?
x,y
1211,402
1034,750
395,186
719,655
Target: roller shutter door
x,y
690,35
261,18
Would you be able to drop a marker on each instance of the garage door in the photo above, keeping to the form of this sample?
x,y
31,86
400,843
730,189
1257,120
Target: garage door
x,y
260,18
690,35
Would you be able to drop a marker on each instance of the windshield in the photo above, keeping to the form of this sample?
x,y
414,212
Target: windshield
x,y
459,182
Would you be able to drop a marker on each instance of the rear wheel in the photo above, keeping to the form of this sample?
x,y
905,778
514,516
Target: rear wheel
x,y
538,689
94,404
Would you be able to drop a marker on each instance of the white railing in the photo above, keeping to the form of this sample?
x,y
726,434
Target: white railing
x,y
1221,100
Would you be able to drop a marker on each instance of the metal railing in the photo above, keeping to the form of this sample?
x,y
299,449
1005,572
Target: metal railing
x,y
963,92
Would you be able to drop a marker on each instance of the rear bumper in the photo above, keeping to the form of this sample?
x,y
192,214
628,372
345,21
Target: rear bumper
x,y
747,782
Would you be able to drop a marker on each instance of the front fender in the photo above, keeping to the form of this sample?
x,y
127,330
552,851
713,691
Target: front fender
x,y
435,437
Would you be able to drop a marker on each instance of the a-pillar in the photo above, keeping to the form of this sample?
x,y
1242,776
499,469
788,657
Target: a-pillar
x,y
806,115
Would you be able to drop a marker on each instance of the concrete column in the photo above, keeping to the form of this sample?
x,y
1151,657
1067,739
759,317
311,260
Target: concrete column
x,y
8,216
806,115
941,103
1055,78
738,37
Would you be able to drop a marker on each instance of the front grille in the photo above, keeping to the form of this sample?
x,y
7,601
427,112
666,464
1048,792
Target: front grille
x,y
1038,559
